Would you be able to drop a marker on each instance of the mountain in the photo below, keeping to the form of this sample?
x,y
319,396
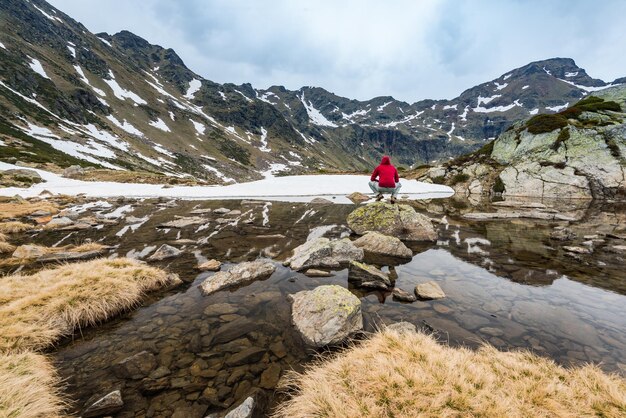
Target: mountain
x,y
578,152
68,96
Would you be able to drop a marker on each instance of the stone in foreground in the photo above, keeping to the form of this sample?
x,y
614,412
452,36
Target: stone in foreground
x,y
403,296
240,274
358,197
108,404
244,410
322,252
402,327
399,221
383,245
365,275
210,265
429,290
326,315
165,251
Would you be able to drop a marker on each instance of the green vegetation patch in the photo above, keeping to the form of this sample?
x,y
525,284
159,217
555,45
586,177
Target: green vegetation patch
x,y
564,135
540,124
459,178
498,185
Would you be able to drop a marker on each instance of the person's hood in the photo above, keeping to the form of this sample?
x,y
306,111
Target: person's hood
x,y
385,161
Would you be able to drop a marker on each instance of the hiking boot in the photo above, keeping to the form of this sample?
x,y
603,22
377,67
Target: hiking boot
x,y
392,200
379,197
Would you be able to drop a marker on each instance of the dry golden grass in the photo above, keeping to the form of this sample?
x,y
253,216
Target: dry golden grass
x,y
13,227
28,387
6,248
3,237
411,375
16,210
36,310
39,250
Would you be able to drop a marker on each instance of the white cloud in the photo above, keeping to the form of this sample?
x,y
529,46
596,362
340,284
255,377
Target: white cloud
x,y
361,49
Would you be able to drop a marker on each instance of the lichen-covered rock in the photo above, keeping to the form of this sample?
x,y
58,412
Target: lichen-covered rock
x,y
364,275
399,221
240,274
322,252
429,290
135,367
383,245
326,315
74,172
402,295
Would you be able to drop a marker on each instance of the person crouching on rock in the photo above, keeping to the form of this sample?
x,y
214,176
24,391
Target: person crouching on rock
x,y
385,179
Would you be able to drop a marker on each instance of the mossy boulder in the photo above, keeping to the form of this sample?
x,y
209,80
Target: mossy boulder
x,y
326,315
400,221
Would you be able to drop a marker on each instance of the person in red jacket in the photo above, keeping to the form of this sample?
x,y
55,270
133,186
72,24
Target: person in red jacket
x,y
385,179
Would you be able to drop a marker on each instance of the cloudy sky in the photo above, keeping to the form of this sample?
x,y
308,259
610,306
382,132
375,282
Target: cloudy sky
x,y
360,49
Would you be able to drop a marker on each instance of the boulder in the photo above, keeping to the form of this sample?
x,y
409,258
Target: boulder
x,y
73,172
29,251
165,251
326,315
244,410
429,290
322,252
399,221
242,273
136,366
365,275
577,250
210,265
358,197
402,327
200,211
320,201
221,211
22,175
59,223
383,245
402,295
183,222
107,405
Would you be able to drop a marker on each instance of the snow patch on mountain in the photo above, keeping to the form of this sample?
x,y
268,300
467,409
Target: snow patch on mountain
x,y
200,128
500,86
84,79
587,88
315,116
53,18
382,106
219,174
122,93
159,124
104,41
126,126
244,96
36,66
558,108
194,86
2,46
72,49
264,147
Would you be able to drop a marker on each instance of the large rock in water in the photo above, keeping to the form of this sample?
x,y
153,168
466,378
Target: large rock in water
x,y
322,252
326,315
240,274
383,245
400,221
364,275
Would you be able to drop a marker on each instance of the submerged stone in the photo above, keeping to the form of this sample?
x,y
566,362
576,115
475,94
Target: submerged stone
x,y
240,274
429,290
365,275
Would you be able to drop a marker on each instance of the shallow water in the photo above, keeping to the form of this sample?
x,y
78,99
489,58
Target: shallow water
x,y
506,282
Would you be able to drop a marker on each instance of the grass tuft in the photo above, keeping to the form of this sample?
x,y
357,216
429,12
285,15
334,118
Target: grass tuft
x,y
16,210
14,227
28,385
37,310
6,248
410,374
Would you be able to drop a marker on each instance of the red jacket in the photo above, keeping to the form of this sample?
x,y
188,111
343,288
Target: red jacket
x,y
388,175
